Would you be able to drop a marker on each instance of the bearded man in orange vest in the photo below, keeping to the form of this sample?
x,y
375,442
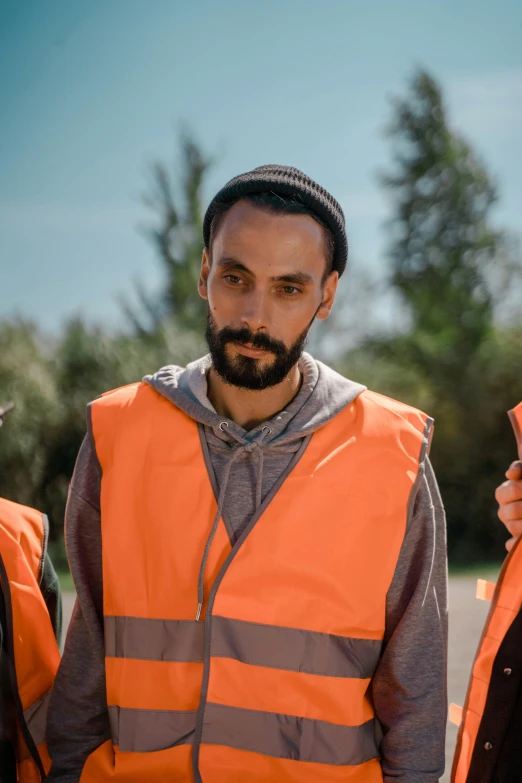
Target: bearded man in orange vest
x,y
257,543
489,743
30,628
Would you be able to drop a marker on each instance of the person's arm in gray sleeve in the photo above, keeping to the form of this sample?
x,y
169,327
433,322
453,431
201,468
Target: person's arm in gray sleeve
x,y
409,687
78,720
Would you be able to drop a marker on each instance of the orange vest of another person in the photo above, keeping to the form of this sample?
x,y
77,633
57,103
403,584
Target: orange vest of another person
x,y
274,682
506,602
31,648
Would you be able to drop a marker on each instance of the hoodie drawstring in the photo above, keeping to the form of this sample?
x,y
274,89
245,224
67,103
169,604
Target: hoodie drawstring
x,y
245,447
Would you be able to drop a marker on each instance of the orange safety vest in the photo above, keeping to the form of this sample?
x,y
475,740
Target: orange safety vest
x,y
31,646
506,602
275,684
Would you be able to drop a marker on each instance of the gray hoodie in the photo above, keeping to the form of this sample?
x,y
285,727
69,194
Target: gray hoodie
x,y
409,686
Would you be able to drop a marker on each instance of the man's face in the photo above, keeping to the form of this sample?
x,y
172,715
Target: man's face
x,y
264,285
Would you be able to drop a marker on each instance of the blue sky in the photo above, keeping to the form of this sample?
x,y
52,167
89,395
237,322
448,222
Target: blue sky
x,y
93,92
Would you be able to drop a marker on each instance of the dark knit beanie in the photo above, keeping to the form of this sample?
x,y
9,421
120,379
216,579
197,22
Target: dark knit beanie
x,y
285,181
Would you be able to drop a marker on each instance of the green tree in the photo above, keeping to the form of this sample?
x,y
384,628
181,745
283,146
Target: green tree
x,y
446,258
26,379
451,269
52,381
177,202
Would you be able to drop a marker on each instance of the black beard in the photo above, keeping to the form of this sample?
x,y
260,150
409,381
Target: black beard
x,y
243,371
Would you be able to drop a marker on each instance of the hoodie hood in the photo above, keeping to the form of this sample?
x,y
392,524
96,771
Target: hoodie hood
x,y
323,394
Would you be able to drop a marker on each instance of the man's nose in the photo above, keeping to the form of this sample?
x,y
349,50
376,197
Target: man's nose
x,y
256,312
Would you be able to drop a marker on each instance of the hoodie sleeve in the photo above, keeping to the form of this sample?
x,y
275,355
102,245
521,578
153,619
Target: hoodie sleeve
x,y
78,720
412,670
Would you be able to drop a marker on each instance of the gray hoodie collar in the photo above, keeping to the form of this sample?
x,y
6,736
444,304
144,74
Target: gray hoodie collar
x,y
323,394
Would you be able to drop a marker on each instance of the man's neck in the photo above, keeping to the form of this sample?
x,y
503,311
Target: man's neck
x,y
251,408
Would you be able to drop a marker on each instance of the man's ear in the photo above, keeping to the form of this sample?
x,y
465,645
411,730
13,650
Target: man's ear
x,y
329,290
203,276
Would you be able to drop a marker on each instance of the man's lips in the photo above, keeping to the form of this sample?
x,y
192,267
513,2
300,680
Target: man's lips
x,y
248,350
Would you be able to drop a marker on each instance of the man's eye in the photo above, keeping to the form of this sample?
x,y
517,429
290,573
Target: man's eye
x,y
234,279
291,290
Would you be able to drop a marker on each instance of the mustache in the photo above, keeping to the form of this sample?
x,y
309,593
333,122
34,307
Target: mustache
x,y
255,339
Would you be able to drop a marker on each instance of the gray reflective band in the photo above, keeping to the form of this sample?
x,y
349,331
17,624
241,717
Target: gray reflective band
x,y
272,646
288,737
284,736
293,649
154,640
36,718
144,731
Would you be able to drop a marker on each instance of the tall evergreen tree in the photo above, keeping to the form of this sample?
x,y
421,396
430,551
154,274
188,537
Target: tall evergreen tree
x,y
448,265
445,255
177,203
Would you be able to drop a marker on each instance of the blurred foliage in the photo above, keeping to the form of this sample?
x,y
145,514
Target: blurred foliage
x,y
447,264
452,270
51,385
25,378
473,443
177,204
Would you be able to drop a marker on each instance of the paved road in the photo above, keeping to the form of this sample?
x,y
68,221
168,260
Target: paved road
x,y
467,616
68,603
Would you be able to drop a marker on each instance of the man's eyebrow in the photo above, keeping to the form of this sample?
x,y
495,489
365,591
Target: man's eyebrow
x,y
299,278
294,278
232,263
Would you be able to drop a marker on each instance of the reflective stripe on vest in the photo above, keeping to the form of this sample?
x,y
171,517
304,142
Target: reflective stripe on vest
x,y
287,649
32,649
506,602
274,685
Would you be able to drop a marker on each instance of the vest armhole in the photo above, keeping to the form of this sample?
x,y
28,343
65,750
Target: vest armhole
x,y
45,542
423,456
427,439
90,435
515,417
